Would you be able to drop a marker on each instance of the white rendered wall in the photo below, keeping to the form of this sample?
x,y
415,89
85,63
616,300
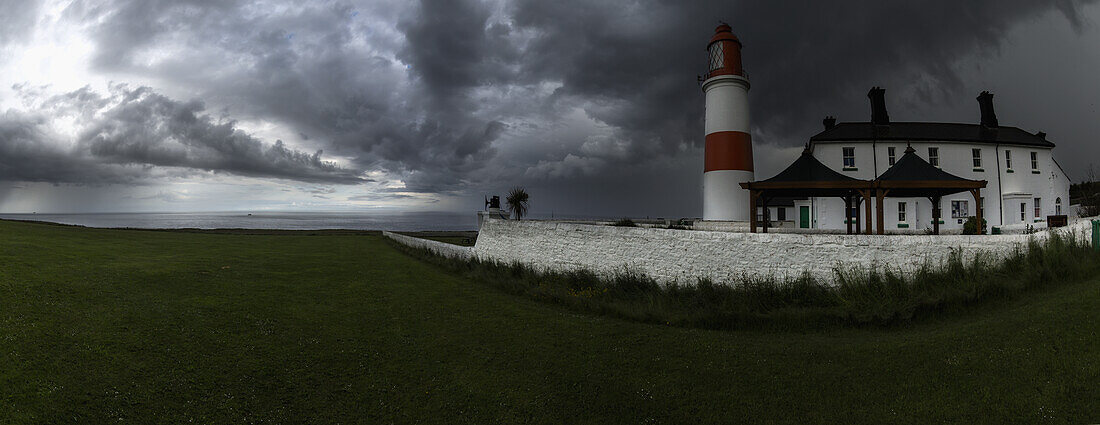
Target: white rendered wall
x,y
439,248
685,256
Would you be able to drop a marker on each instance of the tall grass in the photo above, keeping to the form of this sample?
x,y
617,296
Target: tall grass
x,y
856,297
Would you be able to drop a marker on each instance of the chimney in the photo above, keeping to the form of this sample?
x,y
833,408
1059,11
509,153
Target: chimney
x,y
985,102
1041,135
829,122
878,106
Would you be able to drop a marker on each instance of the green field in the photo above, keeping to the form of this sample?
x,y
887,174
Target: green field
x,y
127,326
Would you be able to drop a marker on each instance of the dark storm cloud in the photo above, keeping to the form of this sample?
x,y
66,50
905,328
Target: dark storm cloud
x,y
470,96
804,58
148,128
331,70
26,155
125,135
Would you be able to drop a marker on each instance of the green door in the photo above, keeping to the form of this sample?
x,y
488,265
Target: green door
x,y
804,217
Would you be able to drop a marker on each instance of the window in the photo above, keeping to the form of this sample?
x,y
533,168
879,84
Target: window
x,y
1034,161
901,212
960,209
977,158
1008,160
1023,211
1038,207
1058,206
849,157
781,214
890,154
934,156
715,56
981,204
853,214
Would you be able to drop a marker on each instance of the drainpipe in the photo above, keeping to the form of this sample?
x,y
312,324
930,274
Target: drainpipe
x,y
1000,189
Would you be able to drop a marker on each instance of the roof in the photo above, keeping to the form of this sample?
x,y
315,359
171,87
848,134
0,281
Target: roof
x,y
807,176
914,131
911,175
808,169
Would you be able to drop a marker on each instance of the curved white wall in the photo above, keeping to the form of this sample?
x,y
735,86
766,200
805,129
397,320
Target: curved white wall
x,y
727,104
723,197
685,256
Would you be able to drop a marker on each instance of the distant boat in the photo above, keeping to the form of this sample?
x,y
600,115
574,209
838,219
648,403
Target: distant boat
x,y
250,214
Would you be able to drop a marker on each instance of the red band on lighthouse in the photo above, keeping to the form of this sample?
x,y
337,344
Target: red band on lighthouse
x,y
728,150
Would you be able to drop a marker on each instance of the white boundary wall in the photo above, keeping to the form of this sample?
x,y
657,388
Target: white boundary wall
x,y
685,256
439,248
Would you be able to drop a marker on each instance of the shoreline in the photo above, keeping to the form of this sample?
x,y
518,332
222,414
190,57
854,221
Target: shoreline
x,y
254,231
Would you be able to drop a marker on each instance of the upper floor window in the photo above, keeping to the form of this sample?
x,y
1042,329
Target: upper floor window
x,y
715,56
849,157
934,156
1038,207
977,157
1034,161
1008,159
890,156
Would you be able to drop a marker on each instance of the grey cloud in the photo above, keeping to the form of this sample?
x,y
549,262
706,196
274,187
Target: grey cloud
x,y
326,70
27,154
148,128
17,20
122,136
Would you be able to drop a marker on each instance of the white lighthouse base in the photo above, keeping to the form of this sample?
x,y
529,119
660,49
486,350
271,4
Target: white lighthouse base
x,y
723,197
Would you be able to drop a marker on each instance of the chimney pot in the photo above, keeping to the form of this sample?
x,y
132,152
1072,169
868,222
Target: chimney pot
x,y
879,116
1041,135
985,103
829,122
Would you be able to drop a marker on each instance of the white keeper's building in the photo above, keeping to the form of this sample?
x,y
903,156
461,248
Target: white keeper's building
x,y
1025,183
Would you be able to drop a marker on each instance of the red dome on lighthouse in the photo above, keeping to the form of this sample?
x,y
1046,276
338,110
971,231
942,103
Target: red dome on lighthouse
x,y
723,32
724,53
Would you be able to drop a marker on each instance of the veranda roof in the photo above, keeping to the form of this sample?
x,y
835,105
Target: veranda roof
x,y
912,176
807,177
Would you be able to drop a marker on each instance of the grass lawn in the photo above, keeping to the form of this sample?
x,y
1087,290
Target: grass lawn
x,y
126,326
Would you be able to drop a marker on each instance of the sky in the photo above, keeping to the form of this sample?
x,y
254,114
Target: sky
x,y
592,106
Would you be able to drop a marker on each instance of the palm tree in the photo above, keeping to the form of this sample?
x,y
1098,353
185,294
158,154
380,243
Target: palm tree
x,y
517,202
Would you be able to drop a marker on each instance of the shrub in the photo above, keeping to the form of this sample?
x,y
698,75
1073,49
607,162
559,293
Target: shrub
x,y
970,227
624,222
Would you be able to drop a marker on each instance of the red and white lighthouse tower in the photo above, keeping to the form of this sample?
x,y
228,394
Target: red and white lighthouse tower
x,y
728,151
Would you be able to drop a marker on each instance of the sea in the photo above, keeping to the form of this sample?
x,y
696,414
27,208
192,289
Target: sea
x,y
367,220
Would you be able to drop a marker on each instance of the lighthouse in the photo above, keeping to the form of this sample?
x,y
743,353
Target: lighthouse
x,y
728,145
